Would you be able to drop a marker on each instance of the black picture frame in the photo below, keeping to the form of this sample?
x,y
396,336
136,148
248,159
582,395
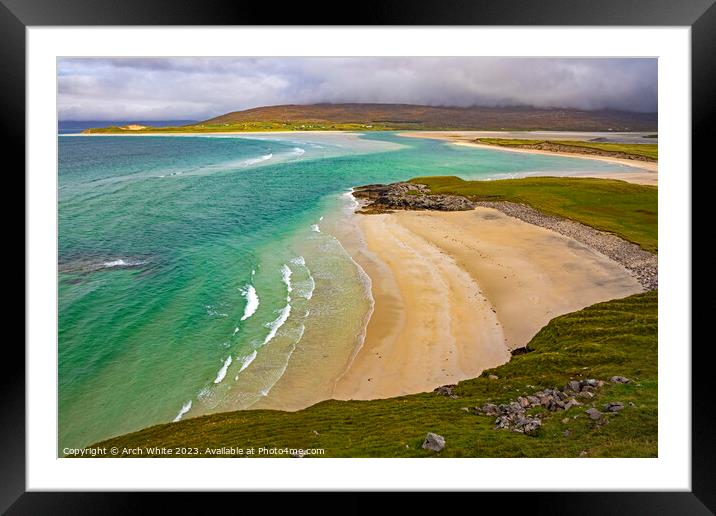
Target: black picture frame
x,y
17,15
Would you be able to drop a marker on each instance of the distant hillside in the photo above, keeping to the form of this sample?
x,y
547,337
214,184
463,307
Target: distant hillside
x,y
407,116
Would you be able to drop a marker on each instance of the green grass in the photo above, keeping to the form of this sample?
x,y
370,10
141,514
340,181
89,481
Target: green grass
x,y
241,127
614,338
625,209
649,150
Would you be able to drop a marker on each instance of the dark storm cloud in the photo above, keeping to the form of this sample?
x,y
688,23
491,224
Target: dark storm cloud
x,y
198,88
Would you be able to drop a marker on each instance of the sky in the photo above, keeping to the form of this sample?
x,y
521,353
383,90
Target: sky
x,y
191,88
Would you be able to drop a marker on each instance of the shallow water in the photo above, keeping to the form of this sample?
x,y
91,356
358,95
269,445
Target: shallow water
x,y
194,269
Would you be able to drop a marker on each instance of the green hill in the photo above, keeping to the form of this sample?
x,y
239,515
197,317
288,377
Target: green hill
x,y
376,117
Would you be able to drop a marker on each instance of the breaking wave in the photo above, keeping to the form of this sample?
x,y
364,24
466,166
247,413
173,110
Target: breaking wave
x,y
252,301
184,409
222,372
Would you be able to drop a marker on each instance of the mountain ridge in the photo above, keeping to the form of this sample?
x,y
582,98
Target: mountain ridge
x,y
414,116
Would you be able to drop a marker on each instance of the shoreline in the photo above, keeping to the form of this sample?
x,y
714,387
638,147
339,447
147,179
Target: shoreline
x,y
647,176
456,292
188,133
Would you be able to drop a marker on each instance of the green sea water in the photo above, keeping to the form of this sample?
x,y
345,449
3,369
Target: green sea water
x,y
194,269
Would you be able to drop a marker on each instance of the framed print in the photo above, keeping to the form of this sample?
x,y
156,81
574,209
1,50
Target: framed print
x,y
417,253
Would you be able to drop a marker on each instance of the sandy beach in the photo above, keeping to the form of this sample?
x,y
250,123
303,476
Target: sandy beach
x,y
455,292
647,173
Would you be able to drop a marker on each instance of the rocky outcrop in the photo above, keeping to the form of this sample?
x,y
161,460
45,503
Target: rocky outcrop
x,y
407,196
446,390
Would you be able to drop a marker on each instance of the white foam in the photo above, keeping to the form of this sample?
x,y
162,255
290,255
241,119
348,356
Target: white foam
x,y
298,260
308,294
315,228
236,330
204,393
298,151
353,202
222,372
252,302
277,323
122,263
247,360
184,409
286,278
254,161
288,359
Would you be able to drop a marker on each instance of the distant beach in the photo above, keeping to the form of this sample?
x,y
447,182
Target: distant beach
x,y
647,176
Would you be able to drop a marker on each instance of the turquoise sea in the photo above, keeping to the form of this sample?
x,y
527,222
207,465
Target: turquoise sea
x,y
193,268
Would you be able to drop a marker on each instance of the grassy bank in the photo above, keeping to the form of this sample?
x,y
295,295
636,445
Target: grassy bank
x,y
647,150
613,338
239,127
625,209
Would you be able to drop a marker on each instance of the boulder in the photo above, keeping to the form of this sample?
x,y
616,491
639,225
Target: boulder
x,y
614,406
446,390
571,403
534,400
434,442
619,379
573,386
594,414
490,409
532,426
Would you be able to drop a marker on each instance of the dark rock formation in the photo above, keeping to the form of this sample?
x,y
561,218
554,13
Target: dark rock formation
x,y
446,390
407,196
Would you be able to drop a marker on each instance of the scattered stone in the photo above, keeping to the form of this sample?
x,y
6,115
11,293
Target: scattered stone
x,y
573,386
594,414
446,390
316,433
583,453
466,409
297,454
434,442
619,379
520,351
632,404
528,425
513,415
614,406
566,433
571,403
493,377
